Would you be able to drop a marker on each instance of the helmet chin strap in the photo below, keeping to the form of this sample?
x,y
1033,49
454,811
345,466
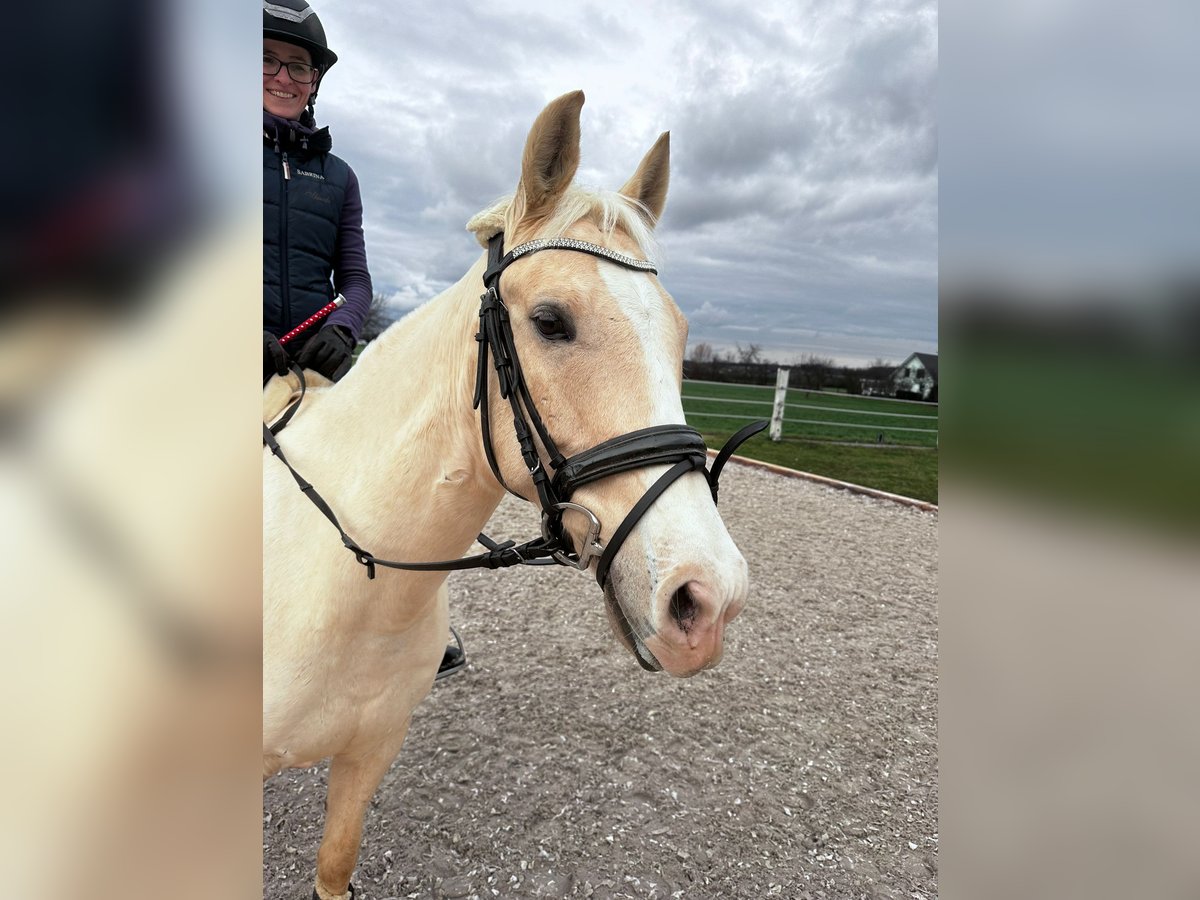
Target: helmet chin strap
x,y
312,98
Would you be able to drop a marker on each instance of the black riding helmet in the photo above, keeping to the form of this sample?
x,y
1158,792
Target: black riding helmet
x,y
295,22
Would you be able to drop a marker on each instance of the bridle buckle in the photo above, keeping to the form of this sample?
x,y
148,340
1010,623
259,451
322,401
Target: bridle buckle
x,y
591,541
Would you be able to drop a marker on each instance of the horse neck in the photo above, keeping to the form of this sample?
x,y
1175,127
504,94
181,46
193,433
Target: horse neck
x,y
419,484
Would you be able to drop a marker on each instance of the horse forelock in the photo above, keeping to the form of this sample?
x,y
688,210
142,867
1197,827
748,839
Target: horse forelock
x,y
607,210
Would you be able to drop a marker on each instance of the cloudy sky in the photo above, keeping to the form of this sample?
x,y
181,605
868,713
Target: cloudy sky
x,y
802,214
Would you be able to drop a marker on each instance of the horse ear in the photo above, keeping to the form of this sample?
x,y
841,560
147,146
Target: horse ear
x,y
551,157
649,183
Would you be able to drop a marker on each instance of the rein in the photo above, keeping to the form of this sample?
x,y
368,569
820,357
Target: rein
x,y
679,446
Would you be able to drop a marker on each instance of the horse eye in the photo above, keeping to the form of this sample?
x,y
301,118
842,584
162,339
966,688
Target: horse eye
x,y
551,325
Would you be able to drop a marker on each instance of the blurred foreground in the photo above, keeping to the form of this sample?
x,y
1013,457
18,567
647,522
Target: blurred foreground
x,y
129,480
132,615
1070,485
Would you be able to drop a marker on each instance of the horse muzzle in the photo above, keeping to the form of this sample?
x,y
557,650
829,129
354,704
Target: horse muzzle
x,y
684,633
690,633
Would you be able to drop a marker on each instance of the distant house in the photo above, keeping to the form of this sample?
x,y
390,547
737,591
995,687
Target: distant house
x,y
916,378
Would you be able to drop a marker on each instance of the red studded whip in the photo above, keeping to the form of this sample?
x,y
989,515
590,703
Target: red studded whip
x,y
314,318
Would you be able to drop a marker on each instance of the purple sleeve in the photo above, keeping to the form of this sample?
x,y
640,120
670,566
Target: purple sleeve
x,y
351,278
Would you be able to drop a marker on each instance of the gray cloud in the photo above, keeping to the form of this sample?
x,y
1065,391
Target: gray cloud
x,y
803,205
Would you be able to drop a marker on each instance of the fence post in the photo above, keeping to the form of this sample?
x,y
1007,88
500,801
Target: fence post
x,y
781,381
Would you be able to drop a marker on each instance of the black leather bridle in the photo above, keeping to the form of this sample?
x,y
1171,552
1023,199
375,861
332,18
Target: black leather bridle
x,y
679,446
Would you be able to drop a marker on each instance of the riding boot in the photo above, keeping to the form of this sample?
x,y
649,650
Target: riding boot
x,y
453,661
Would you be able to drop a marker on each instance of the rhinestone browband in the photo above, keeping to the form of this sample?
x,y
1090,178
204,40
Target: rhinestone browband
x,y
573,244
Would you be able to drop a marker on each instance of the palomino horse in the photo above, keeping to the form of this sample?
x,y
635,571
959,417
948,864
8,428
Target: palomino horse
x,y
396,449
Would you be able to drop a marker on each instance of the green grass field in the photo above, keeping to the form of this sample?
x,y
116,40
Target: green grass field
x,y
905,462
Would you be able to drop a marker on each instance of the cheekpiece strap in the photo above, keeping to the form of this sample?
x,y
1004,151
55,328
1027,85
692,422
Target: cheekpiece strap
x,y
497,261
495,333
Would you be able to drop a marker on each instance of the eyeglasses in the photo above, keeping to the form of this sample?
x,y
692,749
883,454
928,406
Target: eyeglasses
x,y
301,73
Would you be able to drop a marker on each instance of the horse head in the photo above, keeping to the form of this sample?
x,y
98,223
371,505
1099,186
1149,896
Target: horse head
x,y
601,349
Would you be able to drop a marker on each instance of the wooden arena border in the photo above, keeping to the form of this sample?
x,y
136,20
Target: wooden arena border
x,y
833,482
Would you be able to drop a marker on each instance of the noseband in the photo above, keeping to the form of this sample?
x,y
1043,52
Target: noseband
x,y
679,446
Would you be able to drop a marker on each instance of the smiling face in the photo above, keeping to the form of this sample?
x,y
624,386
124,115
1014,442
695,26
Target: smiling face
x,y
283,96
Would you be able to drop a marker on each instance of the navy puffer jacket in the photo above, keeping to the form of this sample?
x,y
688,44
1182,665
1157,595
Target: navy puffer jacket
x,y
313,245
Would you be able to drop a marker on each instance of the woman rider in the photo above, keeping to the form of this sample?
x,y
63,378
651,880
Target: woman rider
x,y
313,243
313,246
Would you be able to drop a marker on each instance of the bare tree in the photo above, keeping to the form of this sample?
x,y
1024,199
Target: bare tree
x,y
701,353
750,354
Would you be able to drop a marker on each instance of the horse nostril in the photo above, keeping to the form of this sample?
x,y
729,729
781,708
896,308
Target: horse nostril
x,y
684,608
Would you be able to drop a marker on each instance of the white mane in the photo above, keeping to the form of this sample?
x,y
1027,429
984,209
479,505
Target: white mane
x,y
608,210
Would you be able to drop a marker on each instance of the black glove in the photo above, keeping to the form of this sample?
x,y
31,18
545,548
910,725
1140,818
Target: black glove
x,y
275,358
329,352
